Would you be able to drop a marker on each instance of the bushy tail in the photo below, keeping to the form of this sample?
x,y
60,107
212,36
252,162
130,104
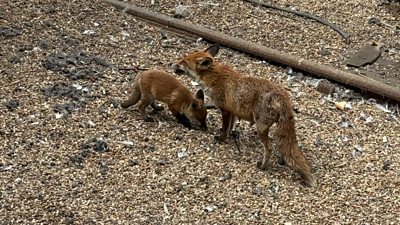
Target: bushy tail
x,y
287,145
135,96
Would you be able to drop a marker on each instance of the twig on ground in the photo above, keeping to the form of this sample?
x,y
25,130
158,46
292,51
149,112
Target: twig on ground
x,y
344,34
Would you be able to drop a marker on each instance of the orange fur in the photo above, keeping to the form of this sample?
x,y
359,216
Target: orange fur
x,y
254,99
158,85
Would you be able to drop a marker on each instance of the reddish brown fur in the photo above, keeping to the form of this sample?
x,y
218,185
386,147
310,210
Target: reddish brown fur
x,y
158,85
257,100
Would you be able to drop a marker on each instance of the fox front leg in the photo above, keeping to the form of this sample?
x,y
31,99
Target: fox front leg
x,y
182,119
228,119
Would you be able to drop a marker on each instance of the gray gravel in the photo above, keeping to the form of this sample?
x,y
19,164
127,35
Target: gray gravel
x,y
71,155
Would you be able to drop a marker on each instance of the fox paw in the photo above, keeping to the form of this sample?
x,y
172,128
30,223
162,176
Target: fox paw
x,y
219,138
310,181
235,134
262,166
149,119
281,161
188,126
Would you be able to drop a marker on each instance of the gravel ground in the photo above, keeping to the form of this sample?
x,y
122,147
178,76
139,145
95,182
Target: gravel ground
x,y
70,154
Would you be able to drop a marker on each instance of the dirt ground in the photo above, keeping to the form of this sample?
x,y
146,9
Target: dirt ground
x,y
71,155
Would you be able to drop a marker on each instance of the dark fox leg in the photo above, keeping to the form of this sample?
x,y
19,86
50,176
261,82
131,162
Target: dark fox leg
x,y
227,123
182,119
231,125
281,160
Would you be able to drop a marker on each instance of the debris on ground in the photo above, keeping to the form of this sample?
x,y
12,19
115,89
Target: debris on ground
x,y
182,11
366,55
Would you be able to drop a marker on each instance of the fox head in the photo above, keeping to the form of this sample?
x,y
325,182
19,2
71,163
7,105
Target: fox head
x,y
197,109
196,62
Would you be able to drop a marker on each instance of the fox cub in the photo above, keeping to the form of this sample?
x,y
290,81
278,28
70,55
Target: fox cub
x,y
254,99
158,85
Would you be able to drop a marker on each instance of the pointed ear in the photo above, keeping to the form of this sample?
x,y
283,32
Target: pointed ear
x,y
204,63
200,95
194,105
213,50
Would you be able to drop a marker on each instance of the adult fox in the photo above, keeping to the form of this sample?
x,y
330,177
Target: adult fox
x,y
254,99
158,85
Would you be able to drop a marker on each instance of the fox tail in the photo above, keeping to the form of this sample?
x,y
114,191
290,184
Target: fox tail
x,y
135,96
288,146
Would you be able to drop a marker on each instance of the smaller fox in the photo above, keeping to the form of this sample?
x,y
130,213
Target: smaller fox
x,y
158,85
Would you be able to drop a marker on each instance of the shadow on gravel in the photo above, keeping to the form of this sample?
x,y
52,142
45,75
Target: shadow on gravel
x,y
78,65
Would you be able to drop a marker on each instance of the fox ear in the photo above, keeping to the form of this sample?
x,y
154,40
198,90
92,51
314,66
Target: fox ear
x,y
204,63
200,95
194,105
213,50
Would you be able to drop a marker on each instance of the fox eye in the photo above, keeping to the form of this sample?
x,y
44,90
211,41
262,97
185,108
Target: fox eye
x,y
194,105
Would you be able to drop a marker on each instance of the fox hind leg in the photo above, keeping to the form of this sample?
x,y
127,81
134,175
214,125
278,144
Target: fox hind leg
x,y
232,122
263,135
145,101
262,132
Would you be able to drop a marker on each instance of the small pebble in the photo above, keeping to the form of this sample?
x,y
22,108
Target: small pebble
x,y
325,87
209,208
12,104
325,52
257,191
203,178
386,165
225,177
161,162
103,169
357,151
5,168
183,153
274,188
132,162
182,11
150,148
